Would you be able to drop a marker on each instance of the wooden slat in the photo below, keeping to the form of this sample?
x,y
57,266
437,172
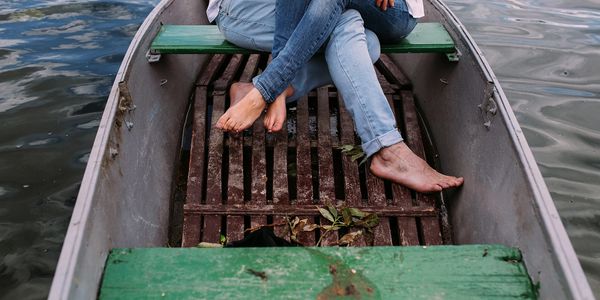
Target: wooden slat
x,y
430,226
259,171
303,158
258,164
192,223
306,209
326,180
392,72
212,223
401,196
350,168
210,72
280,179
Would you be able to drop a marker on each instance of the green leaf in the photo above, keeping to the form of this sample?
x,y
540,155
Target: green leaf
x,y
222,239
369,221
330,227
347,215
355,212
364,160
346,148
356,156
333,211
326,214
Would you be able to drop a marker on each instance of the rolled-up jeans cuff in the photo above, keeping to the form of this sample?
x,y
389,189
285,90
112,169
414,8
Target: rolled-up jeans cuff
x,y
385,140
263,91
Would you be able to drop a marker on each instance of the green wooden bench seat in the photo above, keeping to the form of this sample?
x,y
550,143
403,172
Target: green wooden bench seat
x,y
207,39
436,272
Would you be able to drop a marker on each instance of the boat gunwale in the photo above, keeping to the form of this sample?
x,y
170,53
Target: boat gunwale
x,y
576,280
63,280
65,269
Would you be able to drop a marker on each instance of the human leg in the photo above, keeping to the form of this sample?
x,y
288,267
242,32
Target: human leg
x,y
355,78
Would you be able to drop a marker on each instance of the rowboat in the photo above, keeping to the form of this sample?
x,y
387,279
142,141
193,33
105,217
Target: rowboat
x,y
126,194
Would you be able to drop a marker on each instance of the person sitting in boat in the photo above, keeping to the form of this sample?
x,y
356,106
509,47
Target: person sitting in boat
x,y
295,30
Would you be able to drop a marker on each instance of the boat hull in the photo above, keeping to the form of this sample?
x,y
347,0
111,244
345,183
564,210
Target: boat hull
x,y
125,194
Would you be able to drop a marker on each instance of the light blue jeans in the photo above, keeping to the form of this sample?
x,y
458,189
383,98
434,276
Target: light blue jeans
x,y
347,62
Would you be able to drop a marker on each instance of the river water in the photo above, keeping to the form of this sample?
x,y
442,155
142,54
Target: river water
x,y
58,59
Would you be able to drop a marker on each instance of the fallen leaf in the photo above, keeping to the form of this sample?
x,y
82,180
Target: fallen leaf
x,y
209,245
355,212
310,227
347,216
349,237
369,221
333,211
330,227
326,214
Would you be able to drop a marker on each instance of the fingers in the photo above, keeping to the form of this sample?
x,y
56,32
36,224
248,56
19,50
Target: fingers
x,y
384,4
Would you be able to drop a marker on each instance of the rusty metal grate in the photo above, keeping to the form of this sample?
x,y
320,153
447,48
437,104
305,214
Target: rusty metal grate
x,y
238,181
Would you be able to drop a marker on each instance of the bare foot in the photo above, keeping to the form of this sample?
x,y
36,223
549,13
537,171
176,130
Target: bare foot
x,y
242,114
238,90
276,112
399,164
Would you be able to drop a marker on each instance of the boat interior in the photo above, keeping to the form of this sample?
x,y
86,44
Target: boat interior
x,y
234,183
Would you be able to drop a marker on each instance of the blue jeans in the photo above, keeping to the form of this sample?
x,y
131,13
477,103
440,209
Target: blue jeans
x,y
303,26
347,61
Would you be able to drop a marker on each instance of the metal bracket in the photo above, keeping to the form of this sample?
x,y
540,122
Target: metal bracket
x,y
152,57
488,109
454,56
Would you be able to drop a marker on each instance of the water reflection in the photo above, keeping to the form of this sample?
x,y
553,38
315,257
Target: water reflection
x,y
546,55
57,63
58,58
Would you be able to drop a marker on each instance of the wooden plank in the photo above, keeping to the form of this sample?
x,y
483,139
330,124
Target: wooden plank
x,y
212,223
235,224
191,223
209,74
439,272
401,196
280,176
258,161
306,209
197,164
350,168
207,39
303,157
430,226
326,180
392,72
259,171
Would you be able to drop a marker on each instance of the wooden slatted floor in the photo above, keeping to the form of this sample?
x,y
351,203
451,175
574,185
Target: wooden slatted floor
x,y
239,181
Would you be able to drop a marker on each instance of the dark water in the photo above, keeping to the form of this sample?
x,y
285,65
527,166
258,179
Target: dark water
x,y
58,59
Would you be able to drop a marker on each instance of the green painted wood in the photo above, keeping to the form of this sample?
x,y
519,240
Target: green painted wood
x,y
439,272
207,39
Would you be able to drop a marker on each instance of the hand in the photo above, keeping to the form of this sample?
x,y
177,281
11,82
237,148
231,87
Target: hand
x,y
384,4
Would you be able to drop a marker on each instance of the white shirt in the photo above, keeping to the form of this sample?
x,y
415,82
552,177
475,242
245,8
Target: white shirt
x,y
415,8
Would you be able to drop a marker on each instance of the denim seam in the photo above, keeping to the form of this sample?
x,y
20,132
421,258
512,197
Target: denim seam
x,y
362,106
